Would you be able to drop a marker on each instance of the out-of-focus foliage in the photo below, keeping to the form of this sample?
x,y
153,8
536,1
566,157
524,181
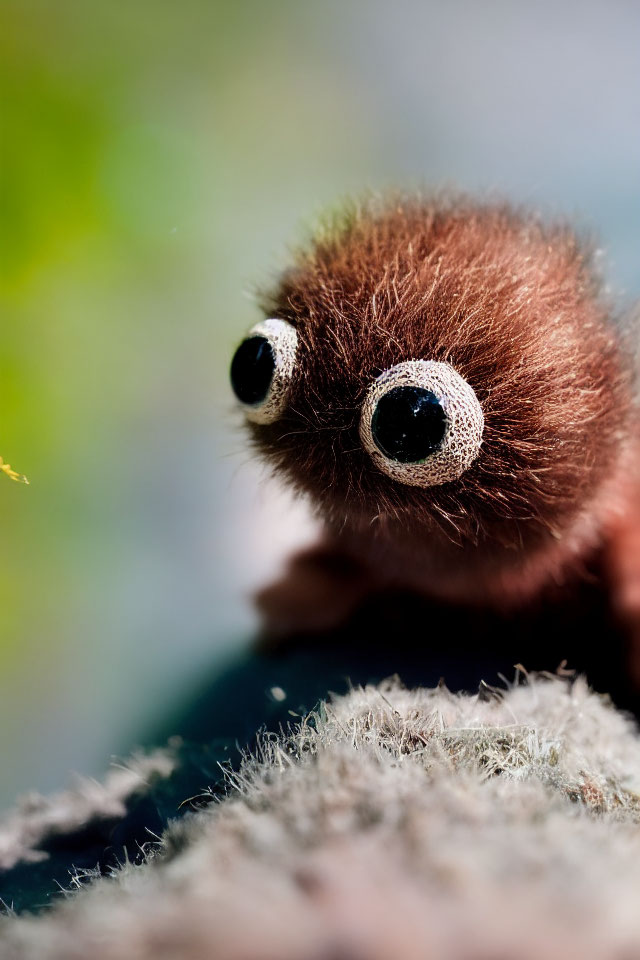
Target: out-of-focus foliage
x,y
143,152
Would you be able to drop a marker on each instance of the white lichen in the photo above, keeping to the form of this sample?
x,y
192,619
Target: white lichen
x,y
391,823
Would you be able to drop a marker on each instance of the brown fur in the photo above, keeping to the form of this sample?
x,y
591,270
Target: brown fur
x,y
515,306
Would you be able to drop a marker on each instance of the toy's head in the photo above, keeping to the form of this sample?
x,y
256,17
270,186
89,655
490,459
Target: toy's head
x,y
440,369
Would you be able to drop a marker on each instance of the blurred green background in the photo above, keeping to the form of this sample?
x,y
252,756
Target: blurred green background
x,y
157,158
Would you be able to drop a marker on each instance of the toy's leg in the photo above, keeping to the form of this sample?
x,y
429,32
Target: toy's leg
x,y
321,587
623,573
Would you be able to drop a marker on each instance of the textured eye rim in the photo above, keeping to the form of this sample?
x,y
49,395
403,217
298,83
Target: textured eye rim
x,y
465,422
283,339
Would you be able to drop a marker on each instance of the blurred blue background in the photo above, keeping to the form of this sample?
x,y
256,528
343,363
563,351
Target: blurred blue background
x,y
157,159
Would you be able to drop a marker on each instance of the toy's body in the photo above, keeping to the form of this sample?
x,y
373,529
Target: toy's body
x,y
447,385
449,388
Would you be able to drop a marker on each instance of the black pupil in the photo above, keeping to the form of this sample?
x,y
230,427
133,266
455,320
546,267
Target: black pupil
x,y
252,370
408,424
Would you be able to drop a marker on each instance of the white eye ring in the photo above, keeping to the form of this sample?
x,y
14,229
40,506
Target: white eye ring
x,y
463,423
282,338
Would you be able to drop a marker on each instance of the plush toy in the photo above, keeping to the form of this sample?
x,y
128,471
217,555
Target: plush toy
x,y
447,383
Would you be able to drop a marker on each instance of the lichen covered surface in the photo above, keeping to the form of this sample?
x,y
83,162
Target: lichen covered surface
x,y
390,823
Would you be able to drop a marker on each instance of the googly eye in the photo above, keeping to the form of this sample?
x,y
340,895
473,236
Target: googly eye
x,y
262,368
422,423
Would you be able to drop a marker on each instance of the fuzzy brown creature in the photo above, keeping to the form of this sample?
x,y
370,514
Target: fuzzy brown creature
x,y
445,380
